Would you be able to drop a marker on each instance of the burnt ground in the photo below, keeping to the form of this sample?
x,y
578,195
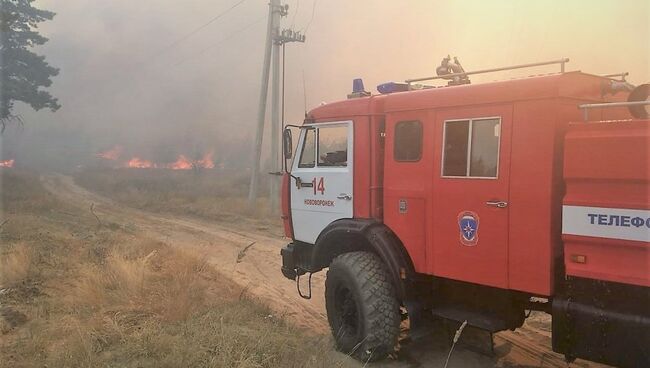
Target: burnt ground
x,y
248,254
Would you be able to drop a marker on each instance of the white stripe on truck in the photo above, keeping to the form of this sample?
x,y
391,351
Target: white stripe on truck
x,y
611,223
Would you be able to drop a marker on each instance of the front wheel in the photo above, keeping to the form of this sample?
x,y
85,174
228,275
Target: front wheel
x,y
362,308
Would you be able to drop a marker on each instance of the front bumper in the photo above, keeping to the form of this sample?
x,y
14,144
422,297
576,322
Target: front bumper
x,y
288,262
297,260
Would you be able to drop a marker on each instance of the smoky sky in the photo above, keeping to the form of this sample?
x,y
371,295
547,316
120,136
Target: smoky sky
x,y
126,80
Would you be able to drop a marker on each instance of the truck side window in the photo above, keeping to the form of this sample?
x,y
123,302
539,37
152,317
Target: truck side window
x,y
308,153
333,146
408,141
455,153
485,148
471,148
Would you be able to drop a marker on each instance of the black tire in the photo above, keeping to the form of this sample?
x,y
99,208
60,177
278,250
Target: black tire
x,y
362,307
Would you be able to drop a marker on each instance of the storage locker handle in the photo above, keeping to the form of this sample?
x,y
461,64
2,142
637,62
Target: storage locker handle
x,y
499,204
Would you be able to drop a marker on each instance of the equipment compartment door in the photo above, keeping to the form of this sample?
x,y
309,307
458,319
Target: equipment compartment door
x,y
471,195
324,191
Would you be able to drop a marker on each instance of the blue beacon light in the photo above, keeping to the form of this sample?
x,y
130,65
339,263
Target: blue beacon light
x,y
391,87
357,89
357,86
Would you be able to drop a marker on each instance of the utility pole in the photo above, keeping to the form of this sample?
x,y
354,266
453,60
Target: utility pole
x,y
274,184
280,38
274,41
261,108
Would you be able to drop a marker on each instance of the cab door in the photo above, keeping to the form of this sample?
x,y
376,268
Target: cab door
x,y
322,185
471,195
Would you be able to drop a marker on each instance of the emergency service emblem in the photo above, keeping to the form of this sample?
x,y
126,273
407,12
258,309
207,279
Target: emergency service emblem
x,y
468,225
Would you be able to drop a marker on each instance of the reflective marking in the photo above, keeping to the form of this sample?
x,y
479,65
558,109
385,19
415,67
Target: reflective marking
x,y
612,223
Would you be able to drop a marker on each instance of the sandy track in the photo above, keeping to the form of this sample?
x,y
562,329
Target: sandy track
x,y
258,273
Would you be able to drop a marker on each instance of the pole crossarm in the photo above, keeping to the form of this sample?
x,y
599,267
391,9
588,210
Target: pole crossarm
x,y
289,35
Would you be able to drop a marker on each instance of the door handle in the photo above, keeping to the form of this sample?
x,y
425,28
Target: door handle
x,y
498,204
302,184
347,197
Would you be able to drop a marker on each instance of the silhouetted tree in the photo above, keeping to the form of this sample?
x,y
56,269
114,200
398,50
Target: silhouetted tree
x,y
22,72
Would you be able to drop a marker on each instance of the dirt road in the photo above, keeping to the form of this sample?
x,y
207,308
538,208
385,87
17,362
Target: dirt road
x,y
248,254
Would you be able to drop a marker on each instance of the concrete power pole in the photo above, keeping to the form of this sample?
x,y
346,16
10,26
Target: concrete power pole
x,y
274,180
274,18
274,41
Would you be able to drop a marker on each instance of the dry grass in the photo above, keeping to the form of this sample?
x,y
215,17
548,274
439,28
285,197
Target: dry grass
x,y
161,280
210,194
73,295
15,264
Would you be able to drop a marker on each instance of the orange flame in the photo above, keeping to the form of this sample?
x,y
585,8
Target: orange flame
x,y
182,163
138,163
112,154
206,162
7,163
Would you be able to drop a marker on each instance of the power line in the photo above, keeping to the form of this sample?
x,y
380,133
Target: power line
x,y
228,37
293,19
199,28
144,63
313,11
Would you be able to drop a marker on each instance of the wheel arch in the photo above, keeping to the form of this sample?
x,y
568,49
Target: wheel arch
x,y
350,235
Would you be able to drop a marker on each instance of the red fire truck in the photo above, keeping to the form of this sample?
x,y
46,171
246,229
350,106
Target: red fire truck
x,y
478,203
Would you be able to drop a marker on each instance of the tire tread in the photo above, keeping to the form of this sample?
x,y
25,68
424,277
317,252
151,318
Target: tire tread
x,y
380,305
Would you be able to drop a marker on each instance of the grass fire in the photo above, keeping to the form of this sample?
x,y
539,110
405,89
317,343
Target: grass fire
x,y
305,183
114,157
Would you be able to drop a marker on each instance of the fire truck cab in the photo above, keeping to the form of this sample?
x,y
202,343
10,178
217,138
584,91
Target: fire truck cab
x,y
476,203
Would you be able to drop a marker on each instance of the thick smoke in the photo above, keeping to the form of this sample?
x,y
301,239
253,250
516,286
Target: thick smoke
x,y
121,83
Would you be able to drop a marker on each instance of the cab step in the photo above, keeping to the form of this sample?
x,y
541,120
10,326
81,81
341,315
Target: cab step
x,y
479,319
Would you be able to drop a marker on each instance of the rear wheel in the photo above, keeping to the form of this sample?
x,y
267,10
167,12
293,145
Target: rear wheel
x,y
362,308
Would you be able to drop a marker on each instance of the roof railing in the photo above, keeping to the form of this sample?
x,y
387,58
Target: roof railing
x,y
621,76
562,62
586,107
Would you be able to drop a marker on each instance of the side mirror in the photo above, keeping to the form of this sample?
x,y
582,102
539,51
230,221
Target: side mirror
x,y
287,144
640,95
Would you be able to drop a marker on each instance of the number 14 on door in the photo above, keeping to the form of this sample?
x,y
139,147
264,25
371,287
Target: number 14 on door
x,y
319,185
